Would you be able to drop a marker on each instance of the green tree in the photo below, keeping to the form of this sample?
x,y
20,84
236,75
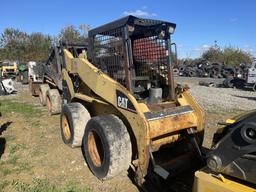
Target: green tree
x,y
71,34
37,48
235,56
228,56
213,54
13,42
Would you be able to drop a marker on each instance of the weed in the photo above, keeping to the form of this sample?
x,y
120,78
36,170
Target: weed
x,y
28,110
15,147
13,160
74,187
43,185
9,137
3,184
6,171
21,167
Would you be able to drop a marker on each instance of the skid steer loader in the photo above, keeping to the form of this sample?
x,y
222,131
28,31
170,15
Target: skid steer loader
x,y
120,102
45,79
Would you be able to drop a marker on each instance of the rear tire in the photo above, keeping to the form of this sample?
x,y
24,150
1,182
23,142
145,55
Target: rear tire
x,y
53,101
42,93
107,146
74,117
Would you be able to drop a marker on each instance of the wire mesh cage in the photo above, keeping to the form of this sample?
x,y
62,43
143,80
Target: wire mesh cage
x,y
134,52
108,54
150,58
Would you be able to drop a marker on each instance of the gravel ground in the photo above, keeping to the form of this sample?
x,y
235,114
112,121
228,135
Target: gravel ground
x,y
214,99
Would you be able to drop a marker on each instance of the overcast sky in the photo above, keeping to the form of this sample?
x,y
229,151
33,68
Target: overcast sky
x,y
199,22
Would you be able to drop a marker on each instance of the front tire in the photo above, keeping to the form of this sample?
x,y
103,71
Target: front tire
x,y
107,146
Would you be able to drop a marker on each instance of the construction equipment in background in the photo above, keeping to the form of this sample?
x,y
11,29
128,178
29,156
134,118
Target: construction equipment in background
x,y
248,80
35,75
45,79
122,105
8,68
231,163
22,73
6,86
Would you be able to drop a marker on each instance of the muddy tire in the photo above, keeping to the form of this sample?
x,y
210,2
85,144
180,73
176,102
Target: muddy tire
x,y
107,146
42,93
53,101
74,117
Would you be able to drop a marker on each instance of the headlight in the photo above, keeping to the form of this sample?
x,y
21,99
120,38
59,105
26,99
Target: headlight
x,y
171,30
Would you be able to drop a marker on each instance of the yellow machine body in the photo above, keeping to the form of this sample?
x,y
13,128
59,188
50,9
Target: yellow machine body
x,y
97,92
209,182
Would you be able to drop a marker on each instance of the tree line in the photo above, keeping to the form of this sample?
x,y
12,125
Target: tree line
x,y
19,45
228,56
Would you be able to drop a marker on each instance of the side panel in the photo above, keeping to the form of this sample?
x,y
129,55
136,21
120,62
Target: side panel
x,y
107,88
187,99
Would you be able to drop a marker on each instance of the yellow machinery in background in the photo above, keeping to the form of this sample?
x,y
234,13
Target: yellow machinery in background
x,y
231,163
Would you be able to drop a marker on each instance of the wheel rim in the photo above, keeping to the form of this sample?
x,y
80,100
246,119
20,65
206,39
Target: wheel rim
x,y
66,129
95,148
49,105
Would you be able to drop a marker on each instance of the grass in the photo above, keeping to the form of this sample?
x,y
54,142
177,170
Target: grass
x,y
3,184
43,185
15,147
9,138
8,107
14,167
12,164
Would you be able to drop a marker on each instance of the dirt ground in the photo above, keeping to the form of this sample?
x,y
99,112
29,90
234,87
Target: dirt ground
x,y
33,156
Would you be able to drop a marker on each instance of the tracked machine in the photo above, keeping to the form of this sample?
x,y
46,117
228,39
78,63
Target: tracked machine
x,y
121,104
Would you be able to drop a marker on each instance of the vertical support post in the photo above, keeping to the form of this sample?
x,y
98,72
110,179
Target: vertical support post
x,y
170,72
127,59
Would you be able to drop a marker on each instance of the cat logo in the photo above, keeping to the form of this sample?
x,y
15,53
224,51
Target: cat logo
x,y
123,102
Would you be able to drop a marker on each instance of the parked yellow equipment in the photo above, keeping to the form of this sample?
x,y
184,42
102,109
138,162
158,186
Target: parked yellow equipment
x,y
122,105
231,163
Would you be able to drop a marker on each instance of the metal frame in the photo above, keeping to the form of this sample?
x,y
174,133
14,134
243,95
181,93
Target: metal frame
x,y
140,48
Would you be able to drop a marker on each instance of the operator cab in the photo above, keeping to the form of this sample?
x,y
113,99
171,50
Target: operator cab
x,y
136,53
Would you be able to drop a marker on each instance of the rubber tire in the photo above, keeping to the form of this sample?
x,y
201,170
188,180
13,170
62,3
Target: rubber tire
x,y
42,93
254,87
228,82
53,101
77,116
116,145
